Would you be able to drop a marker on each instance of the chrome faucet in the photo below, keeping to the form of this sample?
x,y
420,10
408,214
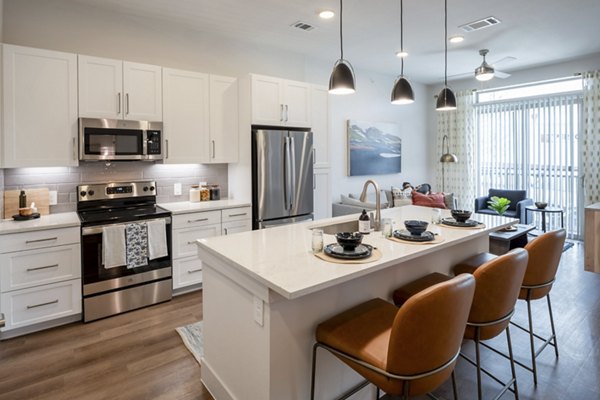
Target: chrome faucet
x,y
363,198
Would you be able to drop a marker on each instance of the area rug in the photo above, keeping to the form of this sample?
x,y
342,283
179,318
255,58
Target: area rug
x,y
192,339
568,245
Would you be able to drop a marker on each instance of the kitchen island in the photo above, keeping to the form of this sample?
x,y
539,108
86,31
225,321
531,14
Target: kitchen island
x,y
264,293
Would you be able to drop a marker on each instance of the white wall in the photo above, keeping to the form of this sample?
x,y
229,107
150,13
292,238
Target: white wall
x,y
63,25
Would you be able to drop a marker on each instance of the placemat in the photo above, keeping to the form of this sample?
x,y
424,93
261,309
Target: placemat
x,y
480,226
437,239
375,255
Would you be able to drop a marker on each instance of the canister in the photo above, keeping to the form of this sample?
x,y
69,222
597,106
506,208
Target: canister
x,y
204,193
195,193
215,192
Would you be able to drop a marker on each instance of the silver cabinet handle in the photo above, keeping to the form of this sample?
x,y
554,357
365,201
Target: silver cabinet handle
x,y
191,242
281,113
191,271
213,149
2,320
38,268
40,240
119,103
225,230
197,220
127,102
43,304
287,114
167,146
238,215
75,148
314,155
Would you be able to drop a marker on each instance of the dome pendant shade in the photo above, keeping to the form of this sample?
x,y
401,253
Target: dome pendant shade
x,y
402,92
484,72
448,157
446,100
341,80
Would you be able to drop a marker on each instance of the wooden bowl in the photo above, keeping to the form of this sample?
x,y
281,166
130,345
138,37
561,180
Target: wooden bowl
x,y
25,211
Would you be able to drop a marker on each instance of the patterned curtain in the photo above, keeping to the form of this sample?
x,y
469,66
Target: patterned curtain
x,y
591,137
459,126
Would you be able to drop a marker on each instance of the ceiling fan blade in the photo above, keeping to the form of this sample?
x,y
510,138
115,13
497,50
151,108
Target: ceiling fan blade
x,y
500,74
503,60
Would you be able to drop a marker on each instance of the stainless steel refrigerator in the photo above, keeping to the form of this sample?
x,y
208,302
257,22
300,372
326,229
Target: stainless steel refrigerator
x,y
282,176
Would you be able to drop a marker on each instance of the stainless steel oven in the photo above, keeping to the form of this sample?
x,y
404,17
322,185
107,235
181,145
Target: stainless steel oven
x,y
116,289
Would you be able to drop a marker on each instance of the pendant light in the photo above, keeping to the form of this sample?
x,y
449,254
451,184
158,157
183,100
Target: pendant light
x,y
402,92
341,80
485,71
446,100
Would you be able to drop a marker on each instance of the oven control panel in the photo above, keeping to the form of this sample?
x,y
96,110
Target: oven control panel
x,y
119,190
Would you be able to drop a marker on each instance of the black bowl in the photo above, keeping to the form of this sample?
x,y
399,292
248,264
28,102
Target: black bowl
x,y
541,205
349,240
415,227
461,215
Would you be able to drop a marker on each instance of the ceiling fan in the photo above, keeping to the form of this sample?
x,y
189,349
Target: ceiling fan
x,y
486,71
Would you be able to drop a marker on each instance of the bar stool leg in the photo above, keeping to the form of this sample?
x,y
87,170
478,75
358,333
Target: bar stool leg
x,y
377,393
314,366
531,342
552,325
512,362
478,361
454,390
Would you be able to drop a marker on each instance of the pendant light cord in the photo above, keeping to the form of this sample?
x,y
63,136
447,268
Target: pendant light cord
x,y
341,35
446,43
402,37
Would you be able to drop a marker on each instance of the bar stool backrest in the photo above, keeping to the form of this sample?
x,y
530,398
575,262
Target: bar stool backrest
x,y
427,332
498,283
544,256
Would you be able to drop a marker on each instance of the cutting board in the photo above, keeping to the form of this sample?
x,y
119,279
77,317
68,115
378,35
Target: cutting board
x,y
39,196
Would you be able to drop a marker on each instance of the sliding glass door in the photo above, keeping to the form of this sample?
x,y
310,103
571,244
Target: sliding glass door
x,y
533,144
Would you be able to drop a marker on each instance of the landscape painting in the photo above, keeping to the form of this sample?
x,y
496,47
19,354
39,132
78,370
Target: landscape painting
x,y
374,148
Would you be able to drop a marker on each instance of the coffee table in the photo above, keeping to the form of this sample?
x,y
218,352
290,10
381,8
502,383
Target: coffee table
x,y
503,241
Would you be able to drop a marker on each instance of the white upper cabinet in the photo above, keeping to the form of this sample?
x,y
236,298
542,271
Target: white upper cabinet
x,y
119,89
200,117
280,102
186,116
224,125
39,126
320,125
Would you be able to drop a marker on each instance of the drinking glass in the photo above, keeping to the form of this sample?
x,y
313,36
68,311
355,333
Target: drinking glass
x,y
317,240
436,216
386,227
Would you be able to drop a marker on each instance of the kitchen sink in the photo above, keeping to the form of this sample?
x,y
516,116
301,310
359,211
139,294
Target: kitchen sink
x,y
348,226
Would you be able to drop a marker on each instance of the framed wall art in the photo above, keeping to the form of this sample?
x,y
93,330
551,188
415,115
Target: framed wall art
x,y
374,148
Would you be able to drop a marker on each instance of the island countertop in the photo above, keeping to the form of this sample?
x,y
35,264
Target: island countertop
x,y
280,258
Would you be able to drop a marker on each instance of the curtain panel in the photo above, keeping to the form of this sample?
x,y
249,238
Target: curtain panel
x,y
590,162
459,126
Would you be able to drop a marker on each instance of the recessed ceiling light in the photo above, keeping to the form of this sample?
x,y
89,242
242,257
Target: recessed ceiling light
x,y
401,54
326,14
456,39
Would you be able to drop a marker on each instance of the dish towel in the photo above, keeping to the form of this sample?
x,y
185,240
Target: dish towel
x,y
136,237
157,239
113,246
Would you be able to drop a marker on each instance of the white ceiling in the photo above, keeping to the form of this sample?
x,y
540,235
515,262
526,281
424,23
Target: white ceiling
x,y
536,32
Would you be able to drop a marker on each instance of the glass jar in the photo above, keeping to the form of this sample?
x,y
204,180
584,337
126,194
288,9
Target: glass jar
x,y
215,192
204,193
195,193
317,240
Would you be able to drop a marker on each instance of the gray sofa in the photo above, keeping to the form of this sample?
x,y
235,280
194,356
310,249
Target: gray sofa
x,y
352,205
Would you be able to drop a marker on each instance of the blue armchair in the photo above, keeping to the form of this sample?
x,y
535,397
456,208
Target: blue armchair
x,y
516,209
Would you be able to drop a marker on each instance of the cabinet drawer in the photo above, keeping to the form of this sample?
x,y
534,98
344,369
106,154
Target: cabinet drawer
x,y
184,240
232,227
196,219
186,272
38,239
30,268
35,305
236,214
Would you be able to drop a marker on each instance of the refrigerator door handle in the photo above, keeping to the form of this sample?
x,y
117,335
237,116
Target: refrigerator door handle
x,y
293,173
287,176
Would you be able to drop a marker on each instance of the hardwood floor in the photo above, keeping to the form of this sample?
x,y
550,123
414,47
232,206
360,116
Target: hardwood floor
x,y
139,355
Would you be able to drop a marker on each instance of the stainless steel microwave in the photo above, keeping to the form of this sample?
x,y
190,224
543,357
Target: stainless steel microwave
x,y
119,140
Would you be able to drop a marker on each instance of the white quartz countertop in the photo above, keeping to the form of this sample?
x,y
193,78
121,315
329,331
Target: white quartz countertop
x,y
50,221
281,258
186,207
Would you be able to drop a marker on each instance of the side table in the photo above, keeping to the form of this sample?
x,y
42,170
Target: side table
x,y
502,241
544,211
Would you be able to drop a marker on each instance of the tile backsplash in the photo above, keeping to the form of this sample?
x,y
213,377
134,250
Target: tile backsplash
x,y
64,180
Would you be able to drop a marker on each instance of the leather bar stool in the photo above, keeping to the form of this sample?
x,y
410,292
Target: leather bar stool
x,y
498,282
544,257
408,351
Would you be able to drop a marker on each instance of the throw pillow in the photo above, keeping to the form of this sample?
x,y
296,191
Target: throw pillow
x,y
435,200
449,200
400,197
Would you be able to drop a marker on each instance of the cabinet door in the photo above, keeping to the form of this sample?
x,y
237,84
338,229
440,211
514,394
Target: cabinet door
x,y
267,100
229,228
186,116
40,107
322,194
100,87
142,87
296,103
320,125
223,119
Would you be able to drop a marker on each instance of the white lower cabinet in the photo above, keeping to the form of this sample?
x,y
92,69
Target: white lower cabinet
x,y
40,277
322,193
187,228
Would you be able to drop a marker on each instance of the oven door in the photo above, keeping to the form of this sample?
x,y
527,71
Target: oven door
x,y
98,279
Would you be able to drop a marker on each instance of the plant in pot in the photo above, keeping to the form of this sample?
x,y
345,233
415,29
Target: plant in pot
x,y
498,204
